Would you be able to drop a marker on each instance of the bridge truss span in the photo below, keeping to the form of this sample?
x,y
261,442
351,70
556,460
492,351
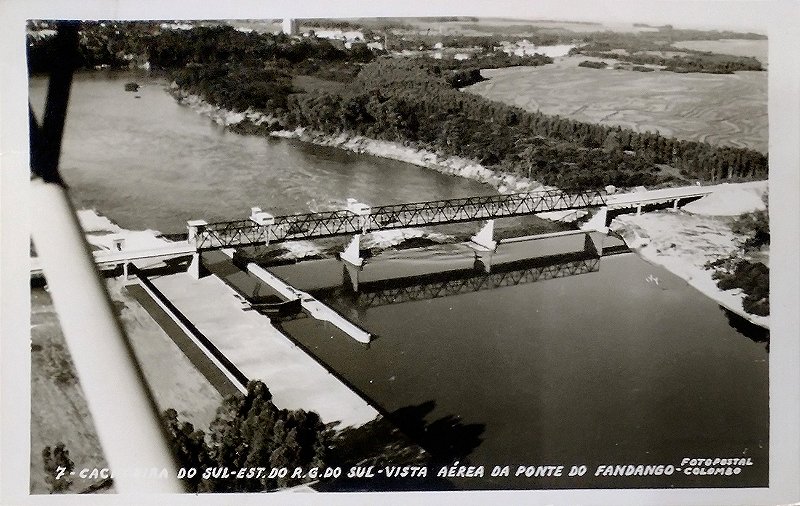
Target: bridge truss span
x,y
416,214
479,208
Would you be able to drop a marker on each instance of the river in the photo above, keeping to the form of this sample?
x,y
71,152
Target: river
x,y
150,163
608,367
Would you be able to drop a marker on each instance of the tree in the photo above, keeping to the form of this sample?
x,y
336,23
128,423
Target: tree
x,y
250,431
188,445
611,144
57,468
739,271
753,227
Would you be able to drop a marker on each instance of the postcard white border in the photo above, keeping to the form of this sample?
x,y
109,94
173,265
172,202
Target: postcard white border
x,y
779,18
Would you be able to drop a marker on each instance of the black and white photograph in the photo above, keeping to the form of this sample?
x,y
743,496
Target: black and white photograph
x,y
403,253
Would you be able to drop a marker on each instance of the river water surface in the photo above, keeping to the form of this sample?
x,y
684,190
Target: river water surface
x,y
602,367
151,163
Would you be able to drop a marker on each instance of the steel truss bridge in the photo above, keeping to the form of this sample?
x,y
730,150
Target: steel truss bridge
x,y
436,212
447,284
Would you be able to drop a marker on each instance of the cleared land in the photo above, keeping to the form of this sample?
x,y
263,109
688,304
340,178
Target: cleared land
x,y
720,109
58,409
59,412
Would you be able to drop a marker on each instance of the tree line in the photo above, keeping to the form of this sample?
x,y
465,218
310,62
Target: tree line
x,y
410,101
249,431
693,61
416,101
655,39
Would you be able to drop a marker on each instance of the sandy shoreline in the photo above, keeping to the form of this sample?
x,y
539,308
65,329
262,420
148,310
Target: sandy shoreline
x,y
684,241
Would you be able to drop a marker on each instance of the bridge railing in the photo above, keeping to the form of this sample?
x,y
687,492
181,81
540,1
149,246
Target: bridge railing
x,y
229,233
324,224
293,226
414,214
482,207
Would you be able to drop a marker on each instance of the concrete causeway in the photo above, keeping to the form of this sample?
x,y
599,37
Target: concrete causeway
x,y
262,352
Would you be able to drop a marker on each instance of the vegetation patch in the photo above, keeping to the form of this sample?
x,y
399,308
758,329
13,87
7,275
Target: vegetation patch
x,y
696,61
416,101
57,468
593,64
249,431
751,278
740,270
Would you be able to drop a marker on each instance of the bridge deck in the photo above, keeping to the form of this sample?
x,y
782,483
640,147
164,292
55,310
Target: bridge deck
x,y
435,212
112,257
414,214
634,199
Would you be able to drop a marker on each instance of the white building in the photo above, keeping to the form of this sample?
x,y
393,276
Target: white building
x,y
175,26
289,26
526,48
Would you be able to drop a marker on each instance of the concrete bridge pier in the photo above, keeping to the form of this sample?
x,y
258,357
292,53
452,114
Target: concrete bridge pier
x,y
596,230
483,260
485,237
350,274
118,244
599,221
196,269
265,220
352,263
594,242
484,245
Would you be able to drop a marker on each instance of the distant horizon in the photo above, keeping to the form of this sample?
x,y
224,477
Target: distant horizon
x,y
603,22
739,29
736,15
754,16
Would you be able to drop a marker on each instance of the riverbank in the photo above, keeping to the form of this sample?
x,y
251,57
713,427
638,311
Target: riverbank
x,y
265,124
450,165
682,243
685,241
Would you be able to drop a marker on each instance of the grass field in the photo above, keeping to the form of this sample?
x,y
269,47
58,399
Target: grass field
x,y
719,109
59,412
58,409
